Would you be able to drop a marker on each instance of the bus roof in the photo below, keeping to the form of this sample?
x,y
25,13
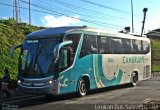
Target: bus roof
x,y
52,31
62,30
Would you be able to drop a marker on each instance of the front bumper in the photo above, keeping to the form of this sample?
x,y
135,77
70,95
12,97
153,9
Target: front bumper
x,y
38,86
50,89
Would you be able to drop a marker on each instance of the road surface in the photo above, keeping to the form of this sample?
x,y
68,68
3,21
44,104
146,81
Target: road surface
x,y
119,97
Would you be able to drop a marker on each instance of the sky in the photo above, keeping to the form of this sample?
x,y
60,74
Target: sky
x,y
104,14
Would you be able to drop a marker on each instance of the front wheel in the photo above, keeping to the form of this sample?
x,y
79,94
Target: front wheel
x,y
82,88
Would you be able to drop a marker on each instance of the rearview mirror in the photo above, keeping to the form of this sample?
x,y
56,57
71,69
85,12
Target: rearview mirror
x,y
58,47
13,48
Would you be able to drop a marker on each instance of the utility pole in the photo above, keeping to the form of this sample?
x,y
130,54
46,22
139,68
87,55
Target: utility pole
x,y
29,12
13,9
132,16
144,18
16,10
19,15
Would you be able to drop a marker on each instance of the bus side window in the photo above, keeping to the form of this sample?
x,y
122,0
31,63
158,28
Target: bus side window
x,y
146,47
137,46
75,38
73,47
127,45
103,45
116,46
89,45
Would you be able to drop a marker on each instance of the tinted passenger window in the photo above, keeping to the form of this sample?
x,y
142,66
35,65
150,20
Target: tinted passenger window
x,y
73,47
75,40
116,46
137,46
146,47
103,45
127,45
89,45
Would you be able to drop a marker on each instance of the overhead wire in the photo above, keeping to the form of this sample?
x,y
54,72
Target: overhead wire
x,y
89,16
62,14
93,22
26,8
107,7
84,20
68,5
110,8
56,7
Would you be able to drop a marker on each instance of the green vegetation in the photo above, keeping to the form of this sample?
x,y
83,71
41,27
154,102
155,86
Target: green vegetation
x,y
12,33
155,45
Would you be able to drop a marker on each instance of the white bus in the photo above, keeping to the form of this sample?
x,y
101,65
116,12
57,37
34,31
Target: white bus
x,y
77,59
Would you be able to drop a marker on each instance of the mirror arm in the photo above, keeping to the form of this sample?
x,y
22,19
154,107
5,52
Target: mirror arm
x,y
13,48
57,49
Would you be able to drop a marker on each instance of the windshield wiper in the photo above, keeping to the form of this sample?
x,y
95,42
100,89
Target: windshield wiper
x,y
38,52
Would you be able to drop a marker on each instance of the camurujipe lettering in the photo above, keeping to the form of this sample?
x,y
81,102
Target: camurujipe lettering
x,y
133,59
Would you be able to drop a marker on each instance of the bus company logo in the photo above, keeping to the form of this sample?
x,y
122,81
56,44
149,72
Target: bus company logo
x,y
133,59
110,60
64,82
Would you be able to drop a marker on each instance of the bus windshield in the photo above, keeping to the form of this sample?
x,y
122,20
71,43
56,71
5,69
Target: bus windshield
x,y
37,57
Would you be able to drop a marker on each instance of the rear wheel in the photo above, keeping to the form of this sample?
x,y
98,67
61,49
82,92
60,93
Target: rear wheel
x,y
134,79
82,88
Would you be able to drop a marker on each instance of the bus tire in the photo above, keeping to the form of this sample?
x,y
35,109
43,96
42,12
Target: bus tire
x,y
134,79
82,88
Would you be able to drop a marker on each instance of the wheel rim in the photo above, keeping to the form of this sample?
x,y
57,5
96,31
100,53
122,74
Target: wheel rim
x,y
134,80
82,88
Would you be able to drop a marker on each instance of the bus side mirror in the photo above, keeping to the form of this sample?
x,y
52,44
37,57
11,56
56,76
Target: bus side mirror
x,y
65,58
58,48
13,48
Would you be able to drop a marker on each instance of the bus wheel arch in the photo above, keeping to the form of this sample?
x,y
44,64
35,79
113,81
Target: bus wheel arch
x,y
134,78
83,86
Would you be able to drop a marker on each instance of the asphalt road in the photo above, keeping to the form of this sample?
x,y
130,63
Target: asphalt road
x,y
119,97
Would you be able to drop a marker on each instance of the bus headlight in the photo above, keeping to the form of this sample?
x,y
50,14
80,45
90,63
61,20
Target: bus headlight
x,y
50,82
19,81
